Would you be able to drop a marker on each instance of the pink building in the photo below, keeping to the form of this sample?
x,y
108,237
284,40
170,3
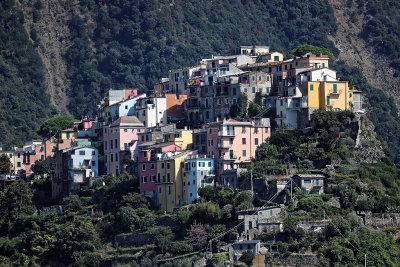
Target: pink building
x,y
121,143
37,150
233,143
148,164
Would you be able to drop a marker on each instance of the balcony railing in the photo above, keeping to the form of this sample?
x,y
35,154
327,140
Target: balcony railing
x,y
223,146
226,133
336,92
281,116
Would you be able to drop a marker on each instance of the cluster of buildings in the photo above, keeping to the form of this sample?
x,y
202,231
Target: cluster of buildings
x,y
179,136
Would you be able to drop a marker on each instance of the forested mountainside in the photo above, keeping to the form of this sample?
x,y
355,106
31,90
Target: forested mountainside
x,y
103,44
23,100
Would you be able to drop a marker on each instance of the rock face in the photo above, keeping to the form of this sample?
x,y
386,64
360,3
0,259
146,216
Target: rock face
x,y
49,21
368,147
355,52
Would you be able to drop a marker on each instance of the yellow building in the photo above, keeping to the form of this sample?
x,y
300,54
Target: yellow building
x,y
182,138
327,95
171,180
69,134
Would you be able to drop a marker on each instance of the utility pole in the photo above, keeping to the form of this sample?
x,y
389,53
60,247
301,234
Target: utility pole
x,y
211,247
324,227
251,181
291,188
365,259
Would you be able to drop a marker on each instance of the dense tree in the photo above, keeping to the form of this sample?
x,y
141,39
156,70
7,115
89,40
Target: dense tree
x,y
197,236
5,164
304,49
247,257
238,111
42,167
54,125
15,201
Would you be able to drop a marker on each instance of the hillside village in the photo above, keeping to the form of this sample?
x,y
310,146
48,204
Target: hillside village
x,y
202,132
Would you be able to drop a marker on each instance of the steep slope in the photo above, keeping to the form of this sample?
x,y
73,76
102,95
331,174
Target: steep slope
x,y
24,103
356,52
47,23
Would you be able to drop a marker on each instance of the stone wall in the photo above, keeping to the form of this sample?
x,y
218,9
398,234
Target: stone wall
x,y
295,260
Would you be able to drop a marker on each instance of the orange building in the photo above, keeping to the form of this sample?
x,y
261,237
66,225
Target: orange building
x,y
175,107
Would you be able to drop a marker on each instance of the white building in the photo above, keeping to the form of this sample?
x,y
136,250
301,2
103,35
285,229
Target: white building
x,y
152,111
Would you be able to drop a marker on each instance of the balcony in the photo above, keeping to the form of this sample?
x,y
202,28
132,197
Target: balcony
x,y
281,116
226,133
335,92
228,158
223,146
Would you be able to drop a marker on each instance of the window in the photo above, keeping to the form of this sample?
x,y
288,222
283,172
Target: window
x,y
105,158
158,177
323,65
68,136
311,87
169,190
307,181
256,141
152,166
162,165
116,143
281,102
19,155
144,167
244,153
82,152
167,165
259,78
315,65
93,163
285,67
209,164
267,78
243,141
163,178
253,78
168,177
260,90
126,130
112,157
231,141
111,144
191,194
335,88
245,90
267,90
18,164
42,157
125,146
276,58
144,179
243,129
253,89
93,152
126,107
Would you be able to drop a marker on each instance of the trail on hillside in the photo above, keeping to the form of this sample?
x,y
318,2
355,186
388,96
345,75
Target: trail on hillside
x,y
355,52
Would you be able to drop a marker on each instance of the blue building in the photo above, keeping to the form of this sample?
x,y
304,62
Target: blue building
x,y
124,108
199,170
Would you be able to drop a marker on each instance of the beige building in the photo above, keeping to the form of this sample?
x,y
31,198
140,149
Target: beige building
x,y
16,157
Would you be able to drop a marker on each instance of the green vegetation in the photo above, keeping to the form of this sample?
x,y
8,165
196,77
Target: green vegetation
x,y
54,125
382,110
5,164
24,103
316,149
42,167
303,49
381,29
